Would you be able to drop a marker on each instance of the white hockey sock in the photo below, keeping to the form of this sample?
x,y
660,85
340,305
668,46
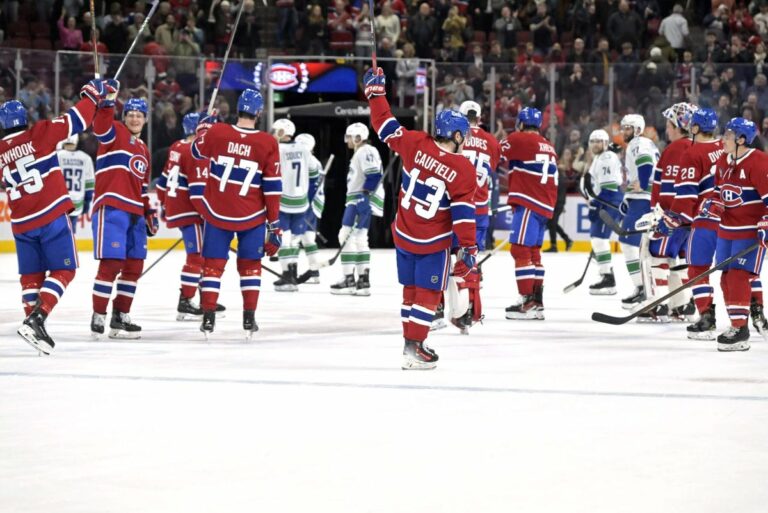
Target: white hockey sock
x,y
602,250
632,260
676,279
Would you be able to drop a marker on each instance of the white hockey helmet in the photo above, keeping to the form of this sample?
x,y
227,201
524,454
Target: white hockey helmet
x,y
356,129
468,105
636,121
72,139
307,140
599,135
285,125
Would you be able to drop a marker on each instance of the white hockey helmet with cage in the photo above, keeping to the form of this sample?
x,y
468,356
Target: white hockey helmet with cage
x,y
680,115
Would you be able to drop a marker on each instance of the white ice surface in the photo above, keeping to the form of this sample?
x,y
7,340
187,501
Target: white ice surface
x,y
315,415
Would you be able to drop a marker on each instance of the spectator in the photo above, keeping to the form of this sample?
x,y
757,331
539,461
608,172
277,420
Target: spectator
x,y
198,36
387,23
286,23
751,102
362,26
85,26
484,12
165,35
186,51
386,51
133,28
625,71
581,19
710,96
600,61
315,31
247,36
654,72
711,51
116,32
555,56
220,21
460,90
741,22
167,128
453,28
475,59
166,87
576,88
157,52
764,128
406,71
507,27
761,19
577,53
422,29
497,55
543,28
36,99
624,25
724,109
70,36
675,28
760,89
719,22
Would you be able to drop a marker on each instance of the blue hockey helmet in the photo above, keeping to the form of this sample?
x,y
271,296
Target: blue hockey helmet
x,y
137,104
251,102
742,128
13,114
189,122
706,119
529,116
449,121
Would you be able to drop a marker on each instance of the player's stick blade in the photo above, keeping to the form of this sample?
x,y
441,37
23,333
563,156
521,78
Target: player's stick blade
x,y
610,319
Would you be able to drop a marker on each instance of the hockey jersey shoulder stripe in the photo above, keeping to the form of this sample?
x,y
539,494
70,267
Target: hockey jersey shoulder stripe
x,y
389,128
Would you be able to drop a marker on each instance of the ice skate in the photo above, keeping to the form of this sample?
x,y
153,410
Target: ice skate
x,y
286,283
249,324
220,309
417,356
309,276
605,287
97,325
186,310
684,313
363,287
121,327
659,314
208,324
347,286
526,309
733,339
704,328
464,322
538,299
34,332
438,321
758,318
634,299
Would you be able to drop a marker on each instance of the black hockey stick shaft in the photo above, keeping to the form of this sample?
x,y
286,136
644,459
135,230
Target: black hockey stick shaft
x,y
583,275
215,92
152,10
616,321
161,257
616,227
271,271
493,251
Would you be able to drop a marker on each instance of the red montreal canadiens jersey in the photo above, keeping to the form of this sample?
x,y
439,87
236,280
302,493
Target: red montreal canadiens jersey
x,y
482,150
743,187
533,176
122,166
665,175
173,185
32,177
696,182
437,192
243,185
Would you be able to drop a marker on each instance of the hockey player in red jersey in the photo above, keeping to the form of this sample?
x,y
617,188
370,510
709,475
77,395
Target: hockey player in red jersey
x,y
742,202
436,201
239,196
122,217
39,203
532,164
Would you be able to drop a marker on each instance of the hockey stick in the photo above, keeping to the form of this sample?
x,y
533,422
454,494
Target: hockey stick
x,y
96,73
616,321
583,275
502,208
493,251
152,10
160,257
271,271
215,92
616,227
320,184
373,35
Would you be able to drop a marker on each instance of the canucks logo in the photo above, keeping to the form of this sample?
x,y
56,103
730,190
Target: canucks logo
x,y
138,166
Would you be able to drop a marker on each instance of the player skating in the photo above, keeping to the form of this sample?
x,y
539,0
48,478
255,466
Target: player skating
x,y
436,200
40,205
240,196
314,213
299,186
640,158
77,167
533,176
364,175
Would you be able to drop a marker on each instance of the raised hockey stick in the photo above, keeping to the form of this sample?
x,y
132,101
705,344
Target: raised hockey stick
x,y
373,35
96,73
271,271
161,257
616,321
152,10
215,92
583,275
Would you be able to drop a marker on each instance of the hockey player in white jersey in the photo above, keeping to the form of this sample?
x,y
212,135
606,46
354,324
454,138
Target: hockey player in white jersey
x,y
640,159
314,212
601,187
298,189
77,168
365,172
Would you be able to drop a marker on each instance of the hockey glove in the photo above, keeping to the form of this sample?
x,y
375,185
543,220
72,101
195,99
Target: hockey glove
x,y
96,90
466,258
712,208
207,122
153,223
374,83
762,231
113,86
274,238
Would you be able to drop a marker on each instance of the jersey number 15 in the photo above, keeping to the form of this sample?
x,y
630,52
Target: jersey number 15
x,y
29,179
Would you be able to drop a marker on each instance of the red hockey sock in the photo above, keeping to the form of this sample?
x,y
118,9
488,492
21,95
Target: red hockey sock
x,y
737,298
109,268
538,267
422,312
525,271
409,296
250,281
702,291
213,268
661,274
757,290
53,288
190,275
126,284
30,290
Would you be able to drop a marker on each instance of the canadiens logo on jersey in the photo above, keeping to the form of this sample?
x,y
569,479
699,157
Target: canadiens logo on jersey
x,y
731,195
138,166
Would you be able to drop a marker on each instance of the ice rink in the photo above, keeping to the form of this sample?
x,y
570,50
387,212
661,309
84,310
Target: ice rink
x,y
315,415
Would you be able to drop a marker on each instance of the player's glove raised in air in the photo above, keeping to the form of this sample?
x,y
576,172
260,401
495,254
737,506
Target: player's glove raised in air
x,y
374,83
153,223
466,259
113,86
274,238
762,231
712,208
207,122
96,90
